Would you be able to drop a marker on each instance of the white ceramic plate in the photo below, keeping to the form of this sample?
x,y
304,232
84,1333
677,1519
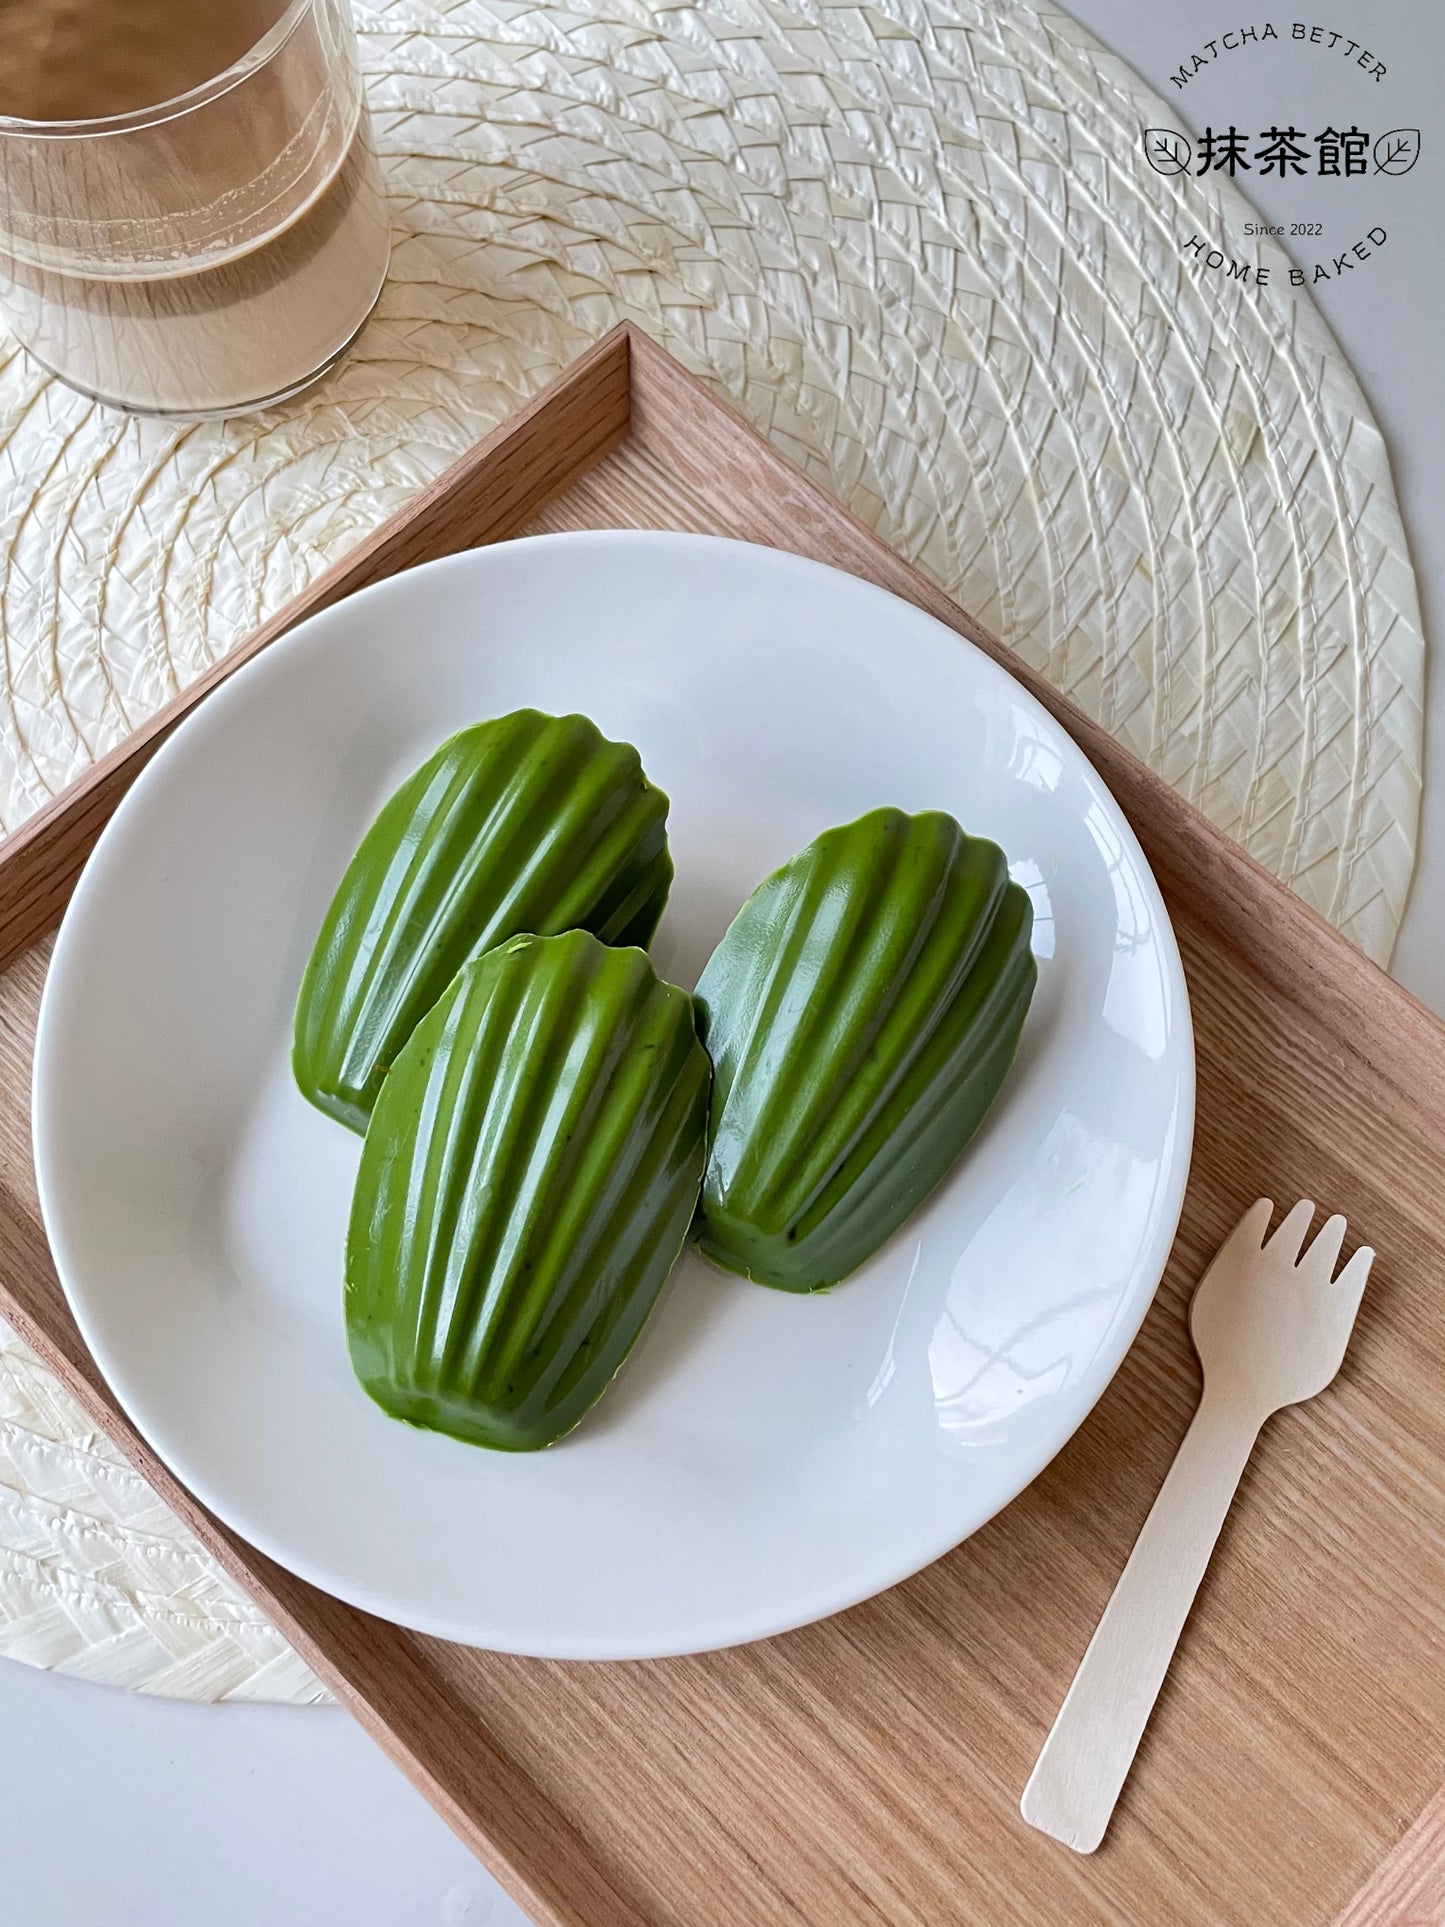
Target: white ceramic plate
x,y
763,1459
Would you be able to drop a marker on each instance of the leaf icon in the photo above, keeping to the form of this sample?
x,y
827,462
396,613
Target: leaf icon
x,y
1170,153
1397,151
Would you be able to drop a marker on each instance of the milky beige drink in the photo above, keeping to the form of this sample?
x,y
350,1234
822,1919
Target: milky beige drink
x,y
191,218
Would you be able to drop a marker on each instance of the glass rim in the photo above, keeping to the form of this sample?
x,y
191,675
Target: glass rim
x,y
255,56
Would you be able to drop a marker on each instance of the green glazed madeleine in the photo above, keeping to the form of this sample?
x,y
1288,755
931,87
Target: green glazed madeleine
x,y
861,1013
527,1182
530,823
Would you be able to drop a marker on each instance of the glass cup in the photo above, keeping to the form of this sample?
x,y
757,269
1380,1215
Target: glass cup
x,y
211,254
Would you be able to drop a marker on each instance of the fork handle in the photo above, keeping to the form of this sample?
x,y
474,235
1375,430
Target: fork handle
x,y
1086,1758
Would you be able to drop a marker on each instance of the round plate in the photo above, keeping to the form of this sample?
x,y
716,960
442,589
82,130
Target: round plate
x,y
763,1459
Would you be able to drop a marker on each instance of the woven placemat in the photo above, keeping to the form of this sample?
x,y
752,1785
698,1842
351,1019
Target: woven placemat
x,y
919,244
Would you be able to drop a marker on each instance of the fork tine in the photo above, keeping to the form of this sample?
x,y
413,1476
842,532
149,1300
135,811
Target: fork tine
x,y
1351,1281
1324,1254
1249,1232
1287,1240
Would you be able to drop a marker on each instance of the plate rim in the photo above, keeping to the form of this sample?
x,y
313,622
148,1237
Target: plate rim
x,y
332,619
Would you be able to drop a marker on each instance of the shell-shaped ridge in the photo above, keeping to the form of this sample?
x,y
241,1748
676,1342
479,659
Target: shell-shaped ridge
x,y
528,1179
527,824
861,1011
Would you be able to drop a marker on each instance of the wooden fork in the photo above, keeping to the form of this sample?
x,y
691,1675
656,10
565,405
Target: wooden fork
x,y
1270,1325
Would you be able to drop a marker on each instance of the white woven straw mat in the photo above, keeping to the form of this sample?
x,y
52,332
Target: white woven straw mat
x,y
918,243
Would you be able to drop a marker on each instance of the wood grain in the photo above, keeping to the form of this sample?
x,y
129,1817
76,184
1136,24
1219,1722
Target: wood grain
x,y
1407,1889
868,1769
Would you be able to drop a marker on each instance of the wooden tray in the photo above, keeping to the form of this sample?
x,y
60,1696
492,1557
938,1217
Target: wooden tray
x,y
868,1769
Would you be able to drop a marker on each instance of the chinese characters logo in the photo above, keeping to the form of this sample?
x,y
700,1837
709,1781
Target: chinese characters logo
x,y
1282,151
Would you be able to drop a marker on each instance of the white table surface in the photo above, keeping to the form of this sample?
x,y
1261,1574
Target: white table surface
x,y
117,1810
